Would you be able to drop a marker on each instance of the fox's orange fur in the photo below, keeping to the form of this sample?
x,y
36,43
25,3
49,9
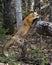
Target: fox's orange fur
x,y
22,32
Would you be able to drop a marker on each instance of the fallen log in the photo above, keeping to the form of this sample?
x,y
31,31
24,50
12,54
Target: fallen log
x,y
22,32
44,28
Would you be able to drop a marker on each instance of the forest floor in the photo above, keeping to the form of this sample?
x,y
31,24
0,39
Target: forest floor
x,y
34,40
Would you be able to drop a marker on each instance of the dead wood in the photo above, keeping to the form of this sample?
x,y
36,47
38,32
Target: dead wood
x,y
44,28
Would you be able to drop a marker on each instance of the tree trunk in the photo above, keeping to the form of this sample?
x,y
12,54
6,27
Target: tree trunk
x,y
32,5
26,3
50,10
18,13
8,15
1,11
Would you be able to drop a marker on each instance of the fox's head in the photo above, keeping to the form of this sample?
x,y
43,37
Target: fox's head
x,y
32,16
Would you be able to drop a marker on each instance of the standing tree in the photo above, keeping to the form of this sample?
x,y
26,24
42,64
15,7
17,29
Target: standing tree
x,y
26,3
18,13
50,10
32,5
8,15
1,11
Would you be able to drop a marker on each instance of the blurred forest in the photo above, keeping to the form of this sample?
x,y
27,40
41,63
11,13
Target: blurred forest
x,y
36,48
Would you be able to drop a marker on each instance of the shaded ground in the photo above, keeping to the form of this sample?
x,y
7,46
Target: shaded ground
x,y
34,45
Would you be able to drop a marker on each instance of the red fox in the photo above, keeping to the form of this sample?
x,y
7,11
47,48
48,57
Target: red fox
x,y
22,32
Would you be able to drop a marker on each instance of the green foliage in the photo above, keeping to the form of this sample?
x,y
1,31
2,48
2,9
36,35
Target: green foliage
x,y
37,53
9,60
4,59
44,62
2,33
2,30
